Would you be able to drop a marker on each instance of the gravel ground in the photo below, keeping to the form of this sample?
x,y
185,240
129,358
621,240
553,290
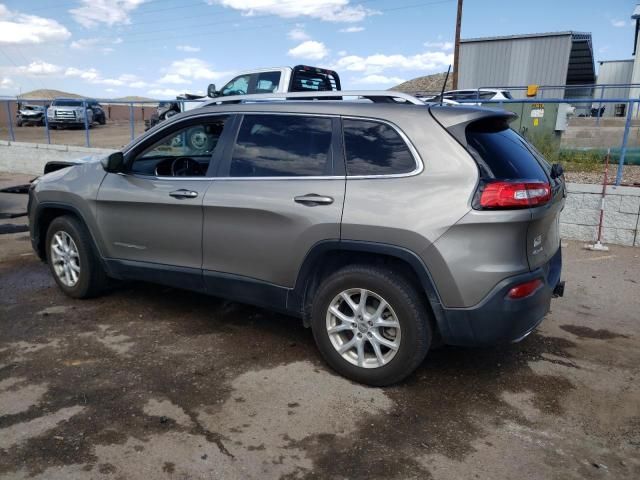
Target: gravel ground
x,y
152,382
630,176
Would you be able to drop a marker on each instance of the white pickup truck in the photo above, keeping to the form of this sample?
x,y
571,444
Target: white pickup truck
x,y
301,78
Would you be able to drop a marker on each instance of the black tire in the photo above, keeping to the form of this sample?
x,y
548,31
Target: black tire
x,y
92,279
102,120
408,305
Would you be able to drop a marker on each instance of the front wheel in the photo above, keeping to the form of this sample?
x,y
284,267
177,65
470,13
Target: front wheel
x,y
73,260
370,324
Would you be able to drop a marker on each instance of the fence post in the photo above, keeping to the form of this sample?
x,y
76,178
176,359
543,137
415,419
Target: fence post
x,y
625,140
600,106
46,125
131,127
12,135
86,124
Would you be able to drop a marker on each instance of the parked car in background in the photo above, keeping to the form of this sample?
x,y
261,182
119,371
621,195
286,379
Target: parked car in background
x,y
387,228
30,115
72,112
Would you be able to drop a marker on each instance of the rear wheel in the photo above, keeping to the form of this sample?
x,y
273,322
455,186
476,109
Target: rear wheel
x,y
73,260
370,325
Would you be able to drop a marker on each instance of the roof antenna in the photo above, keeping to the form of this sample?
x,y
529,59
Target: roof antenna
x,y
444,84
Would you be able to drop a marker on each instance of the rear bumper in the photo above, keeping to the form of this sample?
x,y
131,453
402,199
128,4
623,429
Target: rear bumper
x,y
498,319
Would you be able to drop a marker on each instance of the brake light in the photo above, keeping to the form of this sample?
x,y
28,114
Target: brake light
x,y
514,194
524,289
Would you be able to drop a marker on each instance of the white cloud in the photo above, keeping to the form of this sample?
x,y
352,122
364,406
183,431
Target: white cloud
x,y
440,45
352,29
298,34
328,10
619,23
21,29
427,61
38,68
92,75
379,80
174,79
188,48
84,43
111,90
6,83
342,53
88,44
310,49
112,12
189,69
89,75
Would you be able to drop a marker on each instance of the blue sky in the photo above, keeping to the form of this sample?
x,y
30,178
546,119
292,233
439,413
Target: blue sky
x,y
158,48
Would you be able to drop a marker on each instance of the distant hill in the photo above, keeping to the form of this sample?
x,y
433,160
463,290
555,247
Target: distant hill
x,y
428,83
133,98
48,94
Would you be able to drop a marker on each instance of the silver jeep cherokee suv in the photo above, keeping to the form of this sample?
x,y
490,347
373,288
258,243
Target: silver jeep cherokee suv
x,y
387,228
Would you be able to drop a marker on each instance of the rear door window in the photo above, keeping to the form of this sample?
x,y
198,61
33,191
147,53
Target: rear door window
x,y
375,148
282,146
267,82
503,154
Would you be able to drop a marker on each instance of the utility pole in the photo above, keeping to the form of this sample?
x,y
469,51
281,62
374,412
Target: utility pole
x,y
456,49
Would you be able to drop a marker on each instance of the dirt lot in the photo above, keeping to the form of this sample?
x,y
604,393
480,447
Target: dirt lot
x,y
150,382
111,135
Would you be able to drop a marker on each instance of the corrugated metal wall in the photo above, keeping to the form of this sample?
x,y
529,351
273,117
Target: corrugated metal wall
x,y
515,62
613,72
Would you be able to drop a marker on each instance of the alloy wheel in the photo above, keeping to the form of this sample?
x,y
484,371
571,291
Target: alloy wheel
x,y
363,328
65,258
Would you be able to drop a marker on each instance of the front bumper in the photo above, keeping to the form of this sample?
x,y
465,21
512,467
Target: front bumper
x,y
498,319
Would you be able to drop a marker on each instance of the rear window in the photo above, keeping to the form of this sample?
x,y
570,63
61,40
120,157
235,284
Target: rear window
x,y
374,148
313,81
503,154
282,146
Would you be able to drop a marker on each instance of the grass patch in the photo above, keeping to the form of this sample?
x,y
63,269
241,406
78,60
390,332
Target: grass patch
x,y
548,144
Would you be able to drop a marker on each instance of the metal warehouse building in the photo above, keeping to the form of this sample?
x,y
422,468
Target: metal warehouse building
x,y
612,72
558,58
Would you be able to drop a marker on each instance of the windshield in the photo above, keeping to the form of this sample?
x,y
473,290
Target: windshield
x,y
67,103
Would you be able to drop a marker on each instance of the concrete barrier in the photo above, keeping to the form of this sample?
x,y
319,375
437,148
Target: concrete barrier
x,y
30,158
580,217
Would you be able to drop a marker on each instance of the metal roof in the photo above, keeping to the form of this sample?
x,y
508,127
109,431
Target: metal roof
x,y
526,35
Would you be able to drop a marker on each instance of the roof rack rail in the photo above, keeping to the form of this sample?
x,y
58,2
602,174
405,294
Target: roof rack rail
x,y
376,96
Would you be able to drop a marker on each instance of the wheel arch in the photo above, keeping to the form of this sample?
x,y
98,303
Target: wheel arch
x,y
328,256
46,213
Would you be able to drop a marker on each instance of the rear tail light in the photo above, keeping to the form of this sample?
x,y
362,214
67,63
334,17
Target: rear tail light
x,y
524,289
503,194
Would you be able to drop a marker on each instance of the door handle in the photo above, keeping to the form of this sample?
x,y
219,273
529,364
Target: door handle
x,y
312,199
182,193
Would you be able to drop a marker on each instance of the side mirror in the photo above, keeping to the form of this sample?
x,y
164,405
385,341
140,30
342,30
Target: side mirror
x,y
556,170
211,90
114,163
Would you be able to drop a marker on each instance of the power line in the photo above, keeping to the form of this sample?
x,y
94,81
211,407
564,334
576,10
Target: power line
x,y
222,22
263,26
17,67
